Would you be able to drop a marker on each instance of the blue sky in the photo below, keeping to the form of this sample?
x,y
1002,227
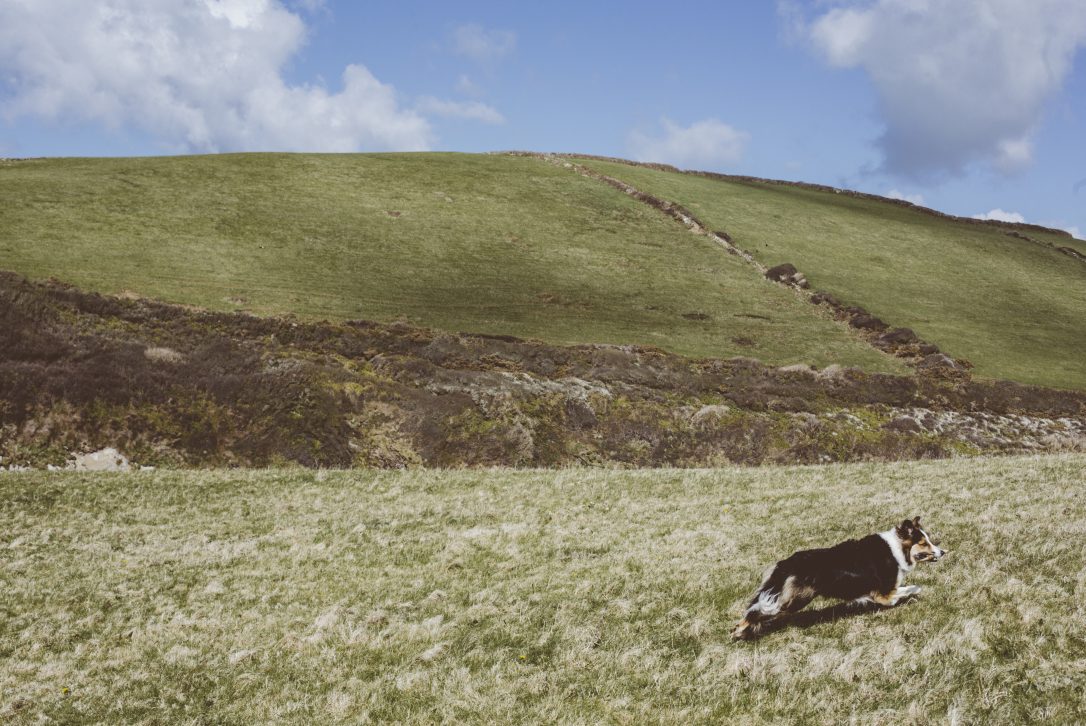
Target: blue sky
x,y
971,106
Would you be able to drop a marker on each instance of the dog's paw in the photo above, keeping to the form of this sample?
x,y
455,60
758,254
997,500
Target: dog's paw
x,y
909,591
744,631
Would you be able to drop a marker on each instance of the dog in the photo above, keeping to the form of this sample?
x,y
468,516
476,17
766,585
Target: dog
x,y
867,570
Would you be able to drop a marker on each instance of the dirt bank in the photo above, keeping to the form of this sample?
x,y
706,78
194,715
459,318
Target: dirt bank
x,y
167,385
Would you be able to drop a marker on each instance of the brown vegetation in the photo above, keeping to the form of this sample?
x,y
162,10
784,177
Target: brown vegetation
x,y
176,386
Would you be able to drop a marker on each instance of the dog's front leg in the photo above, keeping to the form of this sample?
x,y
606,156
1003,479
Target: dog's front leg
x,y
908,591
892,598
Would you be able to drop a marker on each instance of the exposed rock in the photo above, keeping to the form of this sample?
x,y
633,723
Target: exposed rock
x,y
107,459
939,360
1072,252
820,298
896,336
865,321
787,274
781,273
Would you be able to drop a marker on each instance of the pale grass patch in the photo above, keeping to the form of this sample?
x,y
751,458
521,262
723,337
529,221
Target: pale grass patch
x,y
575,596
163,355
239,656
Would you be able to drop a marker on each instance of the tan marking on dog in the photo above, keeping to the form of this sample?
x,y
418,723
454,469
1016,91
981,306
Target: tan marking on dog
x,y
887,599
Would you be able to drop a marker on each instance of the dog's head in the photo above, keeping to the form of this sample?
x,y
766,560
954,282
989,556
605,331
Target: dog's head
x,y
917,543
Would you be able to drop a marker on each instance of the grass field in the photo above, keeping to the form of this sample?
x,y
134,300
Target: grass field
x,y
490,244
1015,309
573,596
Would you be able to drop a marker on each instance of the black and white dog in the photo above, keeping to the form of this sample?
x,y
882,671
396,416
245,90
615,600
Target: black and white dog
x,y
867,570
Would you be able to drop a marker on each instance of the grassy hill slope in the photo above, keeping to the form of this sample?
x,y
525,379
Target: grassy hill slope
x,y
458,242
512,597
1014,308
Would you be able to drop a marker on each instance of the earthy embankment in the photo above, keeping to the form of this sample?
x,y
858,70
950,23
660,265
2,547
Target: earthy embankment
x,y
168,385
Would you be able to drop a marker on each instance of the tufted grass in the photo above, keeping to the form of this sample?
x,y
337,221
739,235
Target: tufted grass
x,y
573,596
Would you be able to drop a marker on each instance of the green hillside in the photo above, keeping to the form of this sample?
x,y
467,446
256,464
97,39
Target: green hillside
x,y
490,244
1016,309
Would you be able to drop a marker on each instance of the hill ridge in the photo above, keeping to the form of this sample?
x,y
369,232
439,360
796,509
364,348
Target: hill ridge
x,y
658,166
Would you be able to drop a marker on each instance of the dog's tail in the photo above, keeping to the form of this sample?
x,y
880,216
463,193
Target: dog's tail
x,y
765,605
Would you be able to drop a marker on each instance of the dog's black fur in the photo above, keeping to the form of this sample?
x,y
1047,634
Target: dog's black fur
x,y
846,571
866,570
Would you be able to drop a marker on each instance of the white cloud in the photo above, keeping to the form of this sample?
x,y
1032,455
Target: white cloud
x,y
999,215
472,110
917,199
476,42
310,6
958,81
468,87
202,75
705,144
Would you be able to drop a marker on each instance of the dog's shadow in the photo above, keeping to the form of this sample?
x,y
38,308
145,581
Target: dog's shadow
x,y
809,618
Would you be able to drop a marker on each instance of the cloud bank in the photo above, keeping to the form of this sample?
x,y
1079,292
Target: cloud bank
x,y
917,199
703,144
959,81
471,110
999,215
199,75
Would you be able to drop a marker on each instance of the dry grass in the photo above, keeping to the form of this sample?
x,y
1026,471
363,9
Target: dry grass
x,y
579,596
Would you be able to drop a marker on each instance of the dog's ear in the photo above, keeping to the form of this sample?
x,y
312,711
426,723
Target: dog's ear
x,y
905,529
916,522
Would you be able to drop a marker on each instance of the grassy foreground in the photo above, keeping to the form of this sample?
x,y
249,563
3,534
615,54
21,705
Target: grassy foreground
x,y
1012,307
578,596
490,244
